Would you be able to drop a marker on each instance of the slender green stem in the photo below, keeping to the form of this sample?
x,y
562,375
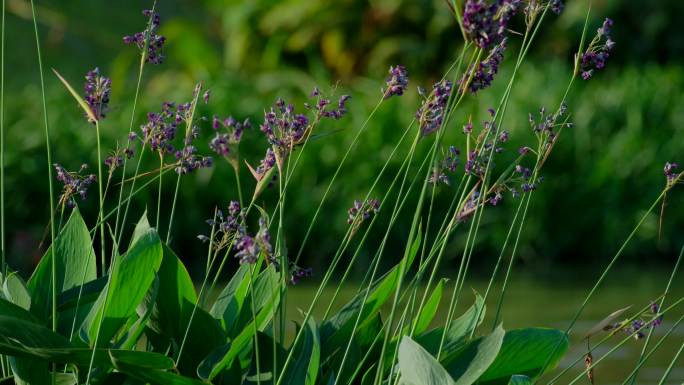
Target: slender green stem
x,y
3,262
633,377
254,317
238,184
334,177
604,340
141,67
159,191
189,123
173,208
626,339
49,166
605,272
130,197
101,199
204,282
667,372
123,172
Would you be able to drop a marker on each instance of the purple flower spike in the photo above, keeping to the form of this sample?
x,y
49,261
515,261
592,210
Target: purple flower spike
x,y
396,82
431,112
155,45
97,89
486,69
484,23
596,55
74,183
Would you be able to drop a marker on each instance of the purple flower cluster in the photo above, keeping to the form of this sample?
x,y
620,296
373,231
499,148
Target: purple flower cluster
x,y
160,129
283,127
225,226
187,159
297,273
594,58
155,45
322,103
670,171
484,23
396,82
265,165
431,113
250,247
97,89
223,142
116,159
638,326
361,211
556,6
74,183
448,164
486,69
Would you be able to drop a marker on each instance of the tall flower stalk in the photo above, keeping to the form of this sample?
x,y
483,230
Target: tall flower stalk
x,y
48,152
141,68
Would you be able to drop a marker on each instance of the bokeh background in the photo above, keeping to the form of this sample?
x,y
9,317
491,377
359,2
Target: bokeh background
x,y
629,119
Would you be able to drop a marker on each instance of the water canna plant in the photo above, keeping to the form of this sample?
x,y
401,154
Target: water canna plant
x,y
96,311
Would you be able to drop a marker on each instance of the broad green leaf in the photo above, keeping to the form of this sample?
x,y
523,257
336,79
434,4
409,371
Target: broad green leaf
x,y
520,380
241,343
430,309
130,278
337,329
204,336
153,376
456,337
133,331
264,284
211,362
177,297
476,358
304,369
75,262
9,309
15,290
525,351
418,367
229,302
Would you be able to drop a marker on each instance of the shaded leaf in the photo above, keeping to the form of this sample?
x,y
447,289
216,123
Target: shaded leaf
x,y
418,367
477,357
75,262
525,351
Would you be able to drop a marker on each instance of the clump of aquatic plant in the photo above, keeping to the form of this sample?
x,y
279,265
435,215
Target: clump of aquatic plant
x,y
139,318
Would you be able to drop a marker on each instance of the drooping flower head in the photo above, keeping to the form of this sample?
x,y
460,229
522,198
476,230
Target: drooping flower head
x,y
598,51
485,23
431,113
155,45
396,82
97,89
74,183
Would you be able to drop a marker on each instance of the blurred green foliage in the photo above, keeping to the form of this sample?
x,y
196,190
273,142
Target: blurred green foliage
x,y
605,172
